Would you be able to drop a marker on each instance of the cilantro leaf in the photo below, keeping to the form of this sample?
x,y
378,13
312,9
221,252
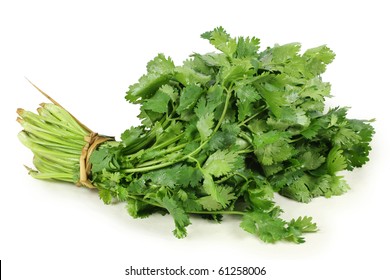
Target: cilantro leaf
x,y
189,97
205,125
247,47
157,103
357,152
188,76
209,203
317,59
104,158
335,160
274,98
272,147
159,71
264,226
179,216
221,40
105,196
131,135
221,162
299,226
139,209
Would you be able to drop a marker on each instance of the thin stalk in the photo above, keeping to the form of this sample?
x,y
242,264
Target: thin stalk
x,y
162,153
53,135
220,212
228,96
45,125
150,168
54,176
167,142
49,118
40,161
165,164
73,150
246,151
39,149
63,115
252,116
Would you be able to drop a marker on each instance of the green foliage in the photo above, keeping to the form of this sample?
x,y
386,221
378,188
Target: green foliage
x,y
220,135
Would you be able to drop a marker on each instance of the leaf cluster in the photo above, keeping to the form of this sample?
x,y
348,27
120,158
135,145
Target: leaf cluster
x,y
224,131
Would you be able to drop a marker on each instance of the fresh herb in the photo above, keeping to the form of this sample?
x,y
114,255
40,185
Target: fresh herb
x,y
220,135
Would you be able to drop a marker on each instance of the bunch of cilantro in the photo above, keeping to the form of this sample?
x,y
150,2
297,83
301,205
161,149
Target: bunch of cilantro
x,y
220,135
225,131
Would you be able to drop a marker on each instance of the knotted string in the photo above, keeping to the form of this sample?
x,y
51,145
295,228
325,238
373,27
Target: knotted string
x,y
93,140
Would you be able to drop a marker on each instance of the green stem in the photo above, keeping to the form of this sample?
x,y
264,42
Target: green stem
x,y
252,116
150,168
44,164
227,212
296,139
220,212
145,141
167,142
188,156
246,151
228,95
162,153
53,135
53,175
48,117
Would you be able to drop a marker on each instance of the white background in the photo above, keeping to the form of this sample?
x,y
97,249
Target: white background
x,y
86,53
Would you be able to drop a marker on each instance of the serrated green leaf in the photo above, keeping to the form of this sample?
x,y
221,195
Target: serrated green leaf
x,y
247,93
157,103
358,154
122,194
315,89
188,76
220,194
162,177
131,135
299,226
335,161
274,99
179,216
221,162
304,224
346,137
103,158
272,147
240,69
261,197
221,40
139,209
338,186
214,59
205,125
247,47
189,97
267,228
298,190
201,109
105,196
159,71
317,58
209,203
188,176
160,64
311,160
